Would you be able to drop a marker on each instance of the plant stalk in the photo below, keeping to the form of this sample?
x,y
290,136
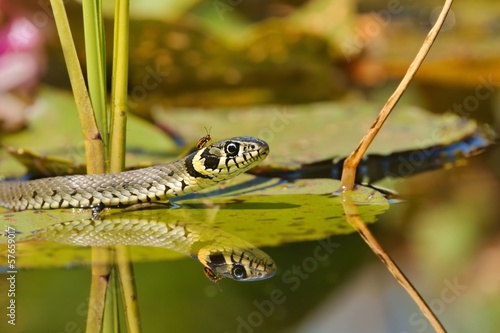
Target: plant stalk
x,y
95,52
352,162
119,98
353,217
95,159
119,87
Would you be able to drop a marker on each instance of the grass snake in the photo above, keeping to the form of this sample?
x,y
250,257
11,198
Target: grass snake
x,y
206,167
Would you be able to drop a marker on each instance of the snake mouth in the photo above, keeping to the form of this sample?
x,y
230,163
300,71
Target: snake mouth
x,y
264,150
254,145
262,146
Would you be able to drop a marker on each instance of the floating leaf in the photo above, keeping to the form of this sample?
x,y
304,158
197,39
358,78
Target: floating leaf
x,y
302,211
291,132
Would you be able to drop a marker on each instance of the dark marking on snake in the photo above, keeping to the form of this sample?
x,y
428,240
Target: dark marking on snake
x,y
235,163
211,161
232,258
192,171
217,259
187,233
167,188
241,257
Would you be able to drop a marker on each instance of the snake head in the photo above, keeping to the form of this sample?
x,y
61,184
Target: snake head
x,y
239,265
229,157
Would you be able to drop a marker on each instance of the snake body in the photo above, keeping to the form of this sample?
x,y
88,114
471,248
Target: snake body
x,y
206,167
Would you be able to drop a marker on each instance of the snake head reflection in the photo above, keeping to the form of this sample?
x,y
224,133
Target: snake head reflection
x,y
239,265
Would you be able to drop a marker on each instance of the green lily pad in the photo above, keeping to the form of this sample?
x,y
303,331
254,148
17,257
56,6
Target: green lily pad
x,y
259,212
292,132
293,135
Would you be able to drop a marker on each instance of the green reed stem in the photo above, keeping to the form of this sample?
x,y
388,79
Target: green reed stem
x,y
101,269
128,288
353,217
117,153
119,86
94,148
95,52
111,322
95,158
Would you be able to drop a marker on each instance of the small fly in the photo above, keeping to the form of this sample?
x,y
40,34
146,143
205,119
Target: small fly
x,y
204,140
211,275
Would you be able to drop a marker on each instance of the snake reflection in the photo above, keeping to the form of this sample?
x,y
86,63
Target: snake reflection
x,y
222,254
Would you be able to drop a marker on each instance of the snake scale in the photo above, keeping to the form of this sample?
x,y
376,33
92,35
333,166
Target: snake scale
x,y
206,167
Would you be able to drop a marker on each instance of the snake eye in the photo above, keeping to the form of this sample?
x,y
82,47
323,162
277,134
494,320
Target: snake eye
x,y
239,272
232,148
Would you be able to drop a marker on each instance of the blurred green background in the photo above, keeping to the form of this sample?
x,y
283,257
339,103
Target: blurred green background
x,y
201,61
